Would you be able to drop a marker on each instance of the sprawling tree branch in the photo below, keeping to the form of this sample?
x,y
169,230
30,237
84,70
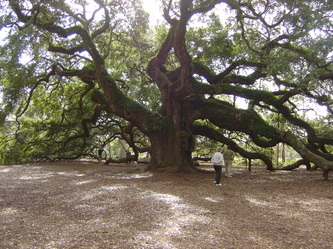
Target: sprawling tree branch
x,y
217,136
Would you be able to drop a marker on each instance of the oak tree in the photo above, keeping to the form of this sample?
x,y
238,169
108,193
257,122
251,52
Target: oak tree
x,y
183,80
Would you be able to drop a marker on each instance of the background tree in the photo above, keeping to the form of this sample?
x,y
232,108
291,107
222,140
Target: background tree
x,y
272,55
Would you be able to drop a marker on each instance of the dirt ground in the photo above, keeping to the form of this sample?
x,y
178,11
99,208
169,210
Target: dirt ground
x,y
87,205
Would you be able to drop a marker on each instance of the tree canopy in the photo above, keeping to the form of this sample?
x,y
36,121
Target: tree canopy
x,y
76,75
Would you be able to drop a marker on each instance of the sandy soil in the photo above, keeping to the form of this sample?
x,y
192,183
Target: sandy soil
x,y
86,205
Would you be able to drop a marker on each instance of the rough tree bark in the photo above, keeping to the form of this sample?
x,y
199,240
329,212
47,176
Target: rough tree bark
x,y
297,164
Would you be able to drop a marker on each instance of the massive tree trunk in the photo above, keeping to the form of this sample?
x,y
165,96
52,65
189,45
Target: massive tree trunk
x,y
172,143
171,151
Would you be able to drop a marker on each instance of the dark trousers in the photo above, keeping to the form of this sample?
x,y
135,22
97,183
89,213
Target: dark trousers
x,y
218,172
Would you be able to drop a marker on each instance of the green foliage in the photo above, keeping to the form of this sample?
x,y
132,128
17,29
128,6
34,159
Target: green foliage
x,y
51,112
73,74
212,42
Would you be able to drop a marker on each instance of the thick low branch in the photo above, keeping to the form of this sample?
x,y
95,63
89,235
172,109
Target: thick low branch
x,y
228,117
267,98
297,164
304,152
213,134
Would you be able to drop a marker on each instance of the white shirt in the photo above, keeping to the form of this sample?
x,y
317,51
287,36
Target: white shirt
x,y
217,158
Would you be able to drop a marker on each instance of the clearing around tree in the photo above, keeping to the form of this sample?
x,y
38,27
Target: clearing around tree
x,y
88,205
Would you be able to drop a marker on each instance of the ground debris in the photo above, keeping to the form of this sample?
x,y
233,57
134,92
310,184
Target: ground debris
x,y
86,205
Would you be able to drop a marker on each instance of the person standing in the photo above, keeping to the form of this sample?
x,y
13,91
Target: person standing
x,y
128,157
228,155
216,160
100,153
